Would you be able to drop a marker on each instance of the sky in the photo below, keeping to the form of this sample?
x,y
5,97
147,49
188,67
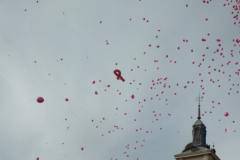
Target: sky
x,y
168,52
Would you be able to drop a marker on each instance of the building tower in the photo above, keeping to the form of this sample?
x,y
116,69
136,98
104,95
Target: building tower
x,y
198,149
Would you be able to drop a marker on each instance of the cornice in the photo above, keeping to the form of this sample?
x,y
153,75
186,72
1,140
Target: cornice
x,y
198,153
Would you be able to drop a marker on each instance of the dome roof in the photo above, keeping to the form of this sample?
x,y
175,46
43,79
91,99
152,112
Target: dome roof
x,y
188,146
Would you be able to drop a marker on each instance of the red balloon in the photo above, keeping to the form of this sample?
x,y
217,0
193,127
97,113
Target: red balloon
x,y
226,114
132,96
37,158
40,99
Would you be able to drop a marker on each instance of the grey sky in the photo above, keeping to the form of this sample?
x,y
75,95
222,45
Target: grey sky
x,y
49,31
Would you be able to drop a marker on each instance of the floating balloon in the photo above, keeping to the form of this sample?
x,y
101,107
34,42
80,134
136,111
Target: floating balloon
x,y
132,96
117,72
40,99
226,114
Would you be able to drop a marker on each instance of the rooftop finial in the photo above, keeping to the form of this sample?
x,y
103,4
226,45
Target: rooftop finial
x,y
213,145
199,99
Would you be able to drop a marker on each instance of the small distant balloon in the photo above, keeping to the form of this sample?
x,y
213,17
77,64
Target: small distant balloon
x,y
66,99
132,96
40,99
37,158
226,114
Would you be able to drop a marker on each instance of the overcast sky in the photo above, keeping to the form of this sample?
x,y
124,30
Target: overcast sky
x,y
55,49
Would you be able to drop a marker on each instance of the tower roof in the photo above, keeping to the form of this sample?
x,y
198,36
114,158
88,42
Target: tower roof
x,y
198,122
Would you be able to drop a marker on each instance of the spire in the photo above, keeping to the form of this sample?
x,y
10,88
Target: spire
x,y
199,129
199,99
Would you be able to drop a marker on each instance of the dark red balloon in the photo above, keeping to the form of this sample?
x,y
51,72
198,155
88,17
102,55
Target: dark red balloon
x,y
132,96
40,100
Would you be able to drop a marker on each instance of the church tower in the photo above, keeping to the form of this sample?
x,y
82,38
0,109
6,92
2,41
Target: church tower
x,y
198,149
